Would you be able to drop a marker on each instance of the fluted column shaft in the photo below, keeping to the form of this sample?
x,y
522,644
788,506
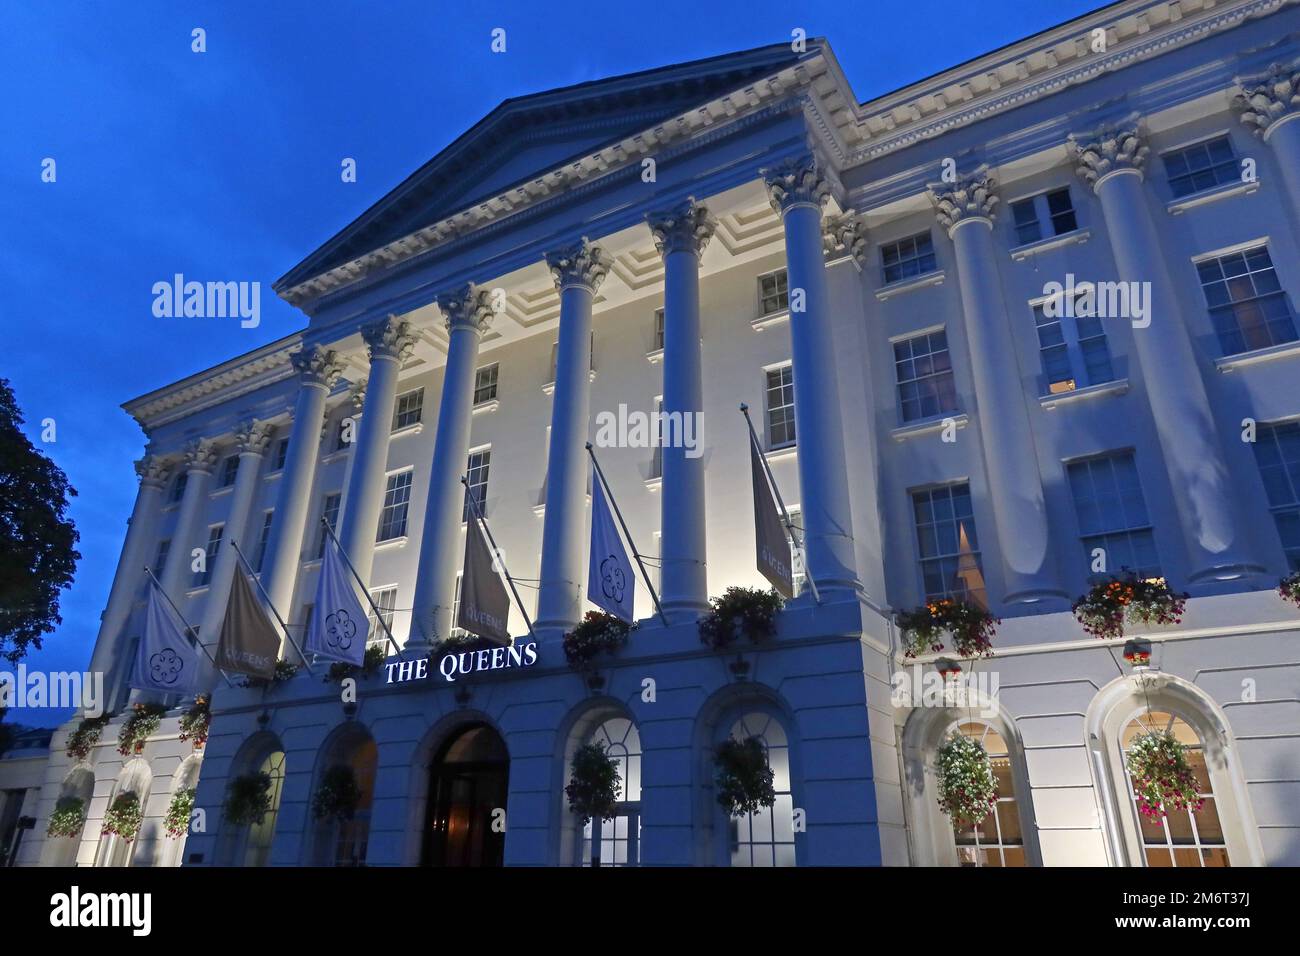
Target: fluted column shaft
x,y
681,236
578,272
798,190
318,370
390,342
130,578
1112,162
1014,481
190,533
252,438
468,313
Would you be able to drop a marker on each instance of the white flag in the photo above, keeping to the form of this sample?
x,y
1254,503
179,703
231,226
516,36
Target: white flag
x,y
610,582
167,660
339,624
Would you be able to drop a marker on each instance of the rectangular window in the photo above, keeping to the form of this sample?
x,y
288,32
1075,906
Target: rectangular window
x,y
657,342
1072,348
229,469
1247,304
397,498
780,407
160,560
477,474
281,453
485,384
329,510
1047,214
1201,166
773,293
907,258
262,539
178,486
925,383
1277,451
386,600
409,408
1112,513
948,546
201,578
657,460
455,611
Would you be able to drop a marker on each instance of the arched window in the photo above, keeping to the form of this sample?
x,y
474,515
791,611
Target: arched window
x,y
620,835
257,842
998,839
62,851
343,842
172,852
1177,837
765,837
136,778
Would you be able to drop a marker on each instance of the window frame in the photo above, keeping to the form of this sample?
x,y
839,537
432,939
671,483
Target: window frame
x,y
786,371
1044,221
480,385
932,376
1233,161
777,300
394,485
400,412
927,262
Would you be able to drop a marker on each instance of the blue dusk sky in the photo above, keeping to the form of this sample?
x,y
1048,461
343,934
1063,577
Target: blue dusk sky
x,y
224,165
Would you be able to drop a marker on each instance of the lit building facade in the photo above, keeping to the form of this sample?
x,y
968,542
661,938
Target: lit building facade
x,y
882,284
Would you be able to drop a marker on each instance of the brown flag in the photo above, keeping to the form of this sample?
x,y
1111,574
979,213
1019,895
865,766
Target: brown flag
x,y
249,643
484,603
774,561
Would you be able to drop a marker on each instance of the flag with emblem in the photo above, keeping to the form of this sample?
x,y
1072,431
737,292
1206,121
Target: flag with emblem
x,y
611,585
339,625
167,660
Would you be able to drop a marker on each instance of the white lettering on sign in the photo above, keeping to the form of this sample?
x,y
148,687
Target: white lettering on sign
x,y
465,663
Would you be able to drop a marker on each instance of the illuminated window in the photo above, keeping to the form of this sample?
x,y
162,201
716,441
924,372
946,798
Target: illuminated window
x,y
947,543
1182,838
620,835
350,838
996,840
257,846
1072,348
766,837
1247,305
386,601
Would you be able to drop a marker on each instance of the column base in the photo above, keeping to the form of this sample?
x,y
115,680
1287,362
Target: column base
x,y
684,612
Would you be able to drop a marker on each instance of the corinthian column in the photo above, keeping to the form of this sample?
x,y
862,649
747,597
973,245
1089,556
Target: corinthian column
x,y
1270,105
681,235
318,370
966,210
798,189
251,439
390,342
200,457
468,312
1111,161
129,579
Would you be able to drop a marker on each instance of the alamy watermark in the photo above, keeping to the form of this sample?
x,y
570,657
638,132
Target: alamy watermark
x,y
208,300
60,689
977,692
1102,300
658,429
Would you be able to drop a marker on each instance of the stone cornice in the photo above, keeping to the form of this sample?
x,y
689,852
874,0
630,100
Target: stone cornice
x,y
581,264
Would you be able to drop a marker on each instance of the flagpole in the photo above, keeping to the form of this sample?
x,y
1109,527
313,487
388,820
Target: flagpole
x,y
789,525
627,534
266,597
496,554
378,617
189,629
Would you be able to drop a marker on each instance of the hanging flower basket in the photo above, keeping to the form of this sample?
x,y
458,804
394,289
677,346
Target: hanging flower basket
x,y
67,819
195,722
457,644
82,740
1162,779
970,627
124,816
598,633
1127,599
967,788
139,727
741,612
177,821
338,795
593,783
339,671
1289,588
248,799
742,777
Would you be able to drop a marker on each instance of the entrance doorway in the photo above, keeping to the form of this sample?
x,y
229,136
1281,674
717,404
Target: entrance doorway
x,y
468,784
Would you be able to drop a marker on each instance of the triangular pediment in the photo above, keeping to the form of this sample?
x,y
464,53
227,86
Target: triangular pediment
x,y
527,136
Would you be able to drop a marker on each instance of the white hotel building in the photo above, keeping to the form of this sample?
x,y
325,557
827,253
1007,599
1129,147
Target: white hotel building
x,y
636,241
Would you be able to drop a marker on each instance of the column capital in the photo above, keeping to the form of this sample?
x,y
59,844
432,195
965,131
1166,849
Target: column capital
x,y
798,181
252,436
972,197
468,307
153,470
1108,150
844,235
200,455
580,264
317,365
1268,98
389,337
685,228
357,395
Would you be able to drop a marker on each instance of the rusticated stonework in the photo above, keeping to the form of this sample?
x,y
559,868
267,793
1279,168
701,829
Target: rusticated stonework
x,y
581,264
688,228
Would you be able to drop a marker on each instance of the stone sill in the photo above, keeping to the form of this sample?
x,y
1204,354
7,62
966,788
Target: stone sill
x,y
489,406
781,452
407,430
928,426
1031,249
1230,363
769,320
221,492
910,285
336,455
549,387
654,356
1226,191
1117,387
391,543
654,482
